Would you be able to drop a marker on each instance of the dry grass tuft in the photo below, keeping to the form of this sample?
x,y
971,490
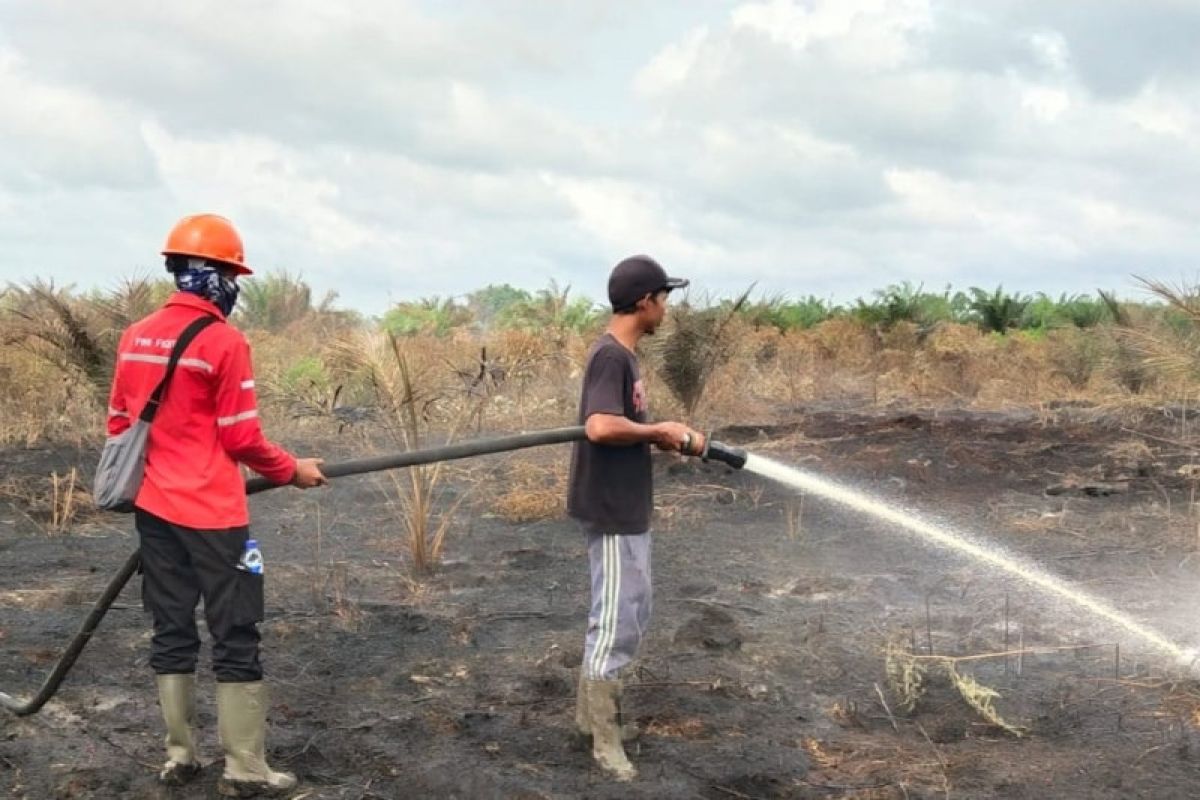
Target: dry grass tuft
x,y
1129,451
679,506
820,756
686,728
869,770
847,714
53,504
981,698
344,607
533,492
906,677
407,389
66,498
1035,522
793,517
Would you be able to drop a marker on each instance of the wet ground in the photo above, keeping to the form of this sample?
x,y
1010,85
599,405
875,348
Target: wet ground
x,y
788,639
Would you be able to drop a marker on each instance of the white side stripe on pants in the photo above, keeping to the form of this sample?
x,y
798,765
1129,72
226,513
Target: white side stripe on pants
x,y
608,615
607,606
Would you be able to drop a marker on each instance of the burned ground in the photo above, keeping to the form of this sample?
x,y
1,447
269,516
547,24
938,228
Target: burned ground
x,y
767,671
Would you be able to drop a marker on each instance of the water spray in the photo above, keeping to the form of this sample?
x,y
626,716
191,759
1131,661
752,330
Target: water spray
x,y
984,553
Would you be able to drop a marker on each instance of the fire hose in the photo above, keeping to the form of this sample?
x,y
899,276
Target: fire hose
x,y
713,451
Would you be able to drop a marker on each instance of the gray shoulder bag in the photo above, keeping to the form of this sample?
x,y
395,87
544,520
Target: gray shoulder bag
x,y
123,460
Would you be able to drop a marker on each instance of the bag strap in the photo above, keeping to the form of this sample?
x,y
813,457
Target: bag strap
x,y
189,333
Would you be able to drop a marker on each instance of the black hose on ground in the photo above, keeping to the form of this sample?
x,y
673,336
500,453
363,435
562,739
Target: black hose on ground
x,y
67,659
714,451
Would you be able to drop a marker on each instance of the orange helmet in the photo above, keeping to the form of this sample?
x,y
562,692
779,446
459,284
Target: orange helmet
x,y
207,236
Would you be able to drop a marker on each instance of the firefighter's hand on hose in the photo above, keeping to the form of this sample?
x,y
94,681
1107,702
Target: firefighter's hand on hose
x,y
679,438
308,473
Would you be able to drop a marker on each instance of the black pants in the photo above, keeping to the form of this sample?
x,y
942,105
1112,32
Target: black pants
x,y
179,566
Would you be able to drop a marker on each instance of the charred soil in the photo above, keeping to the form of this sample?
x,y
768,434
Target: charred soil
x,y
775,665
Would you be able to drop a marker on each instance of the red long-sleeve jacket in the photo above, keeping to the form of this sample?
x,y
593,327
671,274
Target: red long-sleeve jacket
x,y
207,423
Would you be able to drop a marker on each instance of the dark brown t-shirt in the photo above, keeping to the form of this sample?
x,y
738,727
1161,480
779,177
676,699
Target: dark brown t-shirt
x,y
610,487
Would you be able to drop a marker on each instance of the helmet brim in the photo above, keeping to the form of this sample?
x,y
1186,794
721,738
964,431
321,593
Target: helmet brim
x,y
240,269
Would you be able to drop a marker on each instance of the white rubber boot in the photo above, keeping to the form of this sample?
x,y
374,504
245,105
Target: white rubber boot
x,y
177,699
242,721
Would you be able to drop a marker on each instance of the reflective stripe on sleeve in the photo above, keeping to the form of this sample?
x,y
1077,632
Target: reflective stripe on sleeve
x,y
225,422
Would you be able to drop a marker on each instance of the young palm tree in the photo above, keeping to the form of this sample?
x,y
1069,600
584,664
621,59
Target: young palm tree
x,y
996,311
695,346
78,333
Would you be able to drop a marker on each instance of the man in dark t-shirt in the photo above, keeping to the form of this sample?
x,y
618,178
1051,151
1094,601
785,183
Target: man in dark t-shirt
x,y
611,495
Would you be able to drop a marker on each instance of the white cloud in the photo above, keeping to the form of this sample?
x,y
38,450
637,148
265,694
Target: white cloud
x,y
673,64
867,34
1160,112
624,215
1051,49
400,149
988,212
252,176
54,133
1046,103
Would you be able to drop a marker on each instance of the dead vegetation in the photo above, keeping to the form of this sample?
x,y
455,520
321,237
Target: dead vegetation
x,y
909,675
53,504
696,344
867,770
412,403
712,364
76,335
906,677
531,491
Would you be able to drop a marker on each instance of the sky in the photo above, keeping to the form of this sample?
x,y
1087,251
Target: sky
x,y
400,149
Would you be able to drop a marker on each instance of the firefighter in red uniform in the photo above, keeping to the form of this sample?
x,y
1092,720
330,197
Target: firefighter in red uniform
x,y
191,512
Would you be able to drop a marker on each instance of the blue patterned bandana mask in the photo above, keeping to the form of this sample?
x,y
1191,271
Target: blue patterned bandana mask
x,y
200,278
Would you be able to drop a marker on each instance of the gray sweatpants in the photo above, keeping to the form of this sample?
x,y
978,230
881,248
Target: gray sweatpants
x,y
621,602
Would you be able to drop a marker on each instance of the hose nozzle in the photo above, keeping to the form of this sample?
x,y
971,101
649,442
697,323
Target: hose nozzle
x,y
717,451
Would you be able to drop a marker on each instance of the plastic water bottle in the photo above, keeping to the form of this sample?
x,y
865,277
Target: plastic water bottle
x,y
252,559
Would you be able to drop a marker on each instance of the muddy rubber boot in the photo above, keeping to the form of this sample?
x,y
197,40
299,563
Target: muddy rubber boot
x,y
583,727
604,717
242,723
177,699
581,737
